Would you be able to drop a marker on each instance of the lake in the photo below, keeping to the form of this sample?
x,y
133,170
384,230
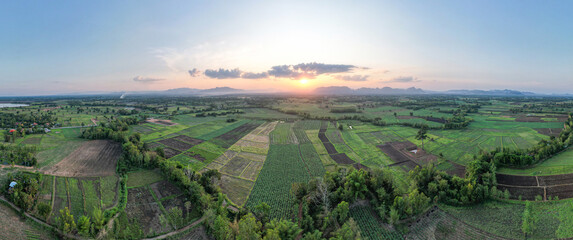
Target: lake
x,y
7,105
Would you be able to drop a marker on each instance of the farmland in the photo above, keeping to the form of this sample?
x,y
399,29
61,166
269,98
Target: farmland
x,y
91,159
259,153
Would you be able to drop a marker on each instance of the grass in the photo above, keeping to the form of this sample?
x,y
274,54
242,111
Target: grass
x,y
227,127
108,188
283,134
54,155
558,164
76,198
91,196
142,178
504,218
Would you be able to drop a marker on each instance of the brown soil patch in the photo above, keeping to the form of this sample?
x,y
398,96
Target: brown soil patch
x,y
549,131
229,138
179,145
50,109
91,159
170,152
458,170
142,207
400,153
164,189
341,158
178,202
190,140
359,166
161,122
197,157
530,186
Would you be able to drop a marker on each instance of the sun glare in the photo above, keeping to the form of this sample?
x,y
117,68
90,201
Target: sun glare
x,y
303,81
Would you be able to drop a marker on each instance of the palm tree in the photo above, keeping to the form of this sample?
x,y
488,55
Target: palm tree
x,y
422,135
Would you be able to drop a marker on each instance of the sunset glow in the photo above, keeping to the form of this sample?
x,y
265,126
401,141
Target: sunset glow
x,y
300,44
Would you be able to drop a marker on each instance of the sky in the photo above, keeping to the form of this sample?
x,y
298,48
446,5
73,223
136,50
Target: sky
x,y
56,47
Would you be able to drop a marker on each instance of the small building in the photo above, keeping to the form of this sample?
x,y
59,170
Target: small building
x,y
414,151
13,184
47,130
12,130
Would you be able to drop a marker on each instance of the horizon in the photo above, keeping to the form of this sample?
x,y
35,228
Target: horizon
x,y
130,46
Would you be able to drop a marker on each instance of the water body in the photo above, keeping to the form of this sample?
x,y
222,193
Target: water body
x,y
8,105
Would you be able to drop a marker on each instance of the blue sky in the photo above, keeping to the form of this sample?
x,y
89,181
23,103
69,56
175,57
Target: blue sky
x,y
50,47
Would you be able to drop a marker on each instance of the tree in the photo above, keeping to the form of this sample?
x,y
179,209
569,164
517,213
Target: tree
x,y
84,225
262,211
316,235
528,220
66,221
187,207
286,228
221,228
421,135
348,231
44,209
98,219
340,213
175,217
249,228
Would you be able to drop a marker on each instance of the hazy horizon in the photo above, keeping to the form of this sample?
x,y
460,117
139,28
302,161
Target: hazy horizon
x,y
295,46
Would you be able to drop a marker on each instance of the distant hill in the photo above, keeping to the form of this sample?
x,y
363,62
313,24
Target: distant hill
x,y
342,90
505,92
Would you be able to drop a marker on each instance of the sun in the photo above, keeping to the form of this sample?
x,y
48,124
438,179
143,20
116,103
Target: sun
x,y
303,81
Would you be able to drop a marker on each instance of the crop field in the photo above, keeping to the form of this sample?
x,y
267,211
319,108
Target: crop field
x,y
504,219
83,195
148,202
141,205
143,177
241,164
267,114
229,138
14,228
370,226
283,167
558,164
436,224
283,134
91,159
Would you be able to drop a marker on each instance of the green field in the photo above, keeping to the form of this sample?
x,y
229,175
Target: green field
x,y
559,164
282,168
142,178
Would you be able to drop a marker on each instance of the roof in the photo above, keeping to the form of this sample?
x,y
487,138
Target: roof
x,y
12,184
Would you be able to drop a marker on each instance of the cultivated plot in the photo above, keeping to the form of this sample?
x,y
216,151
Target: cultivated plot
x,y
92,159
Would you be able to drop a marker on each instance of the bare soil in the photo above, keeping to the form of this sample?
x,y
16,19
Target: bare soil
x,y
142,206
179,145
229,138
341,158
549,131
170,152
164,189
161,122
92,159
190,140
